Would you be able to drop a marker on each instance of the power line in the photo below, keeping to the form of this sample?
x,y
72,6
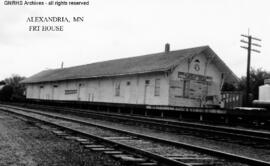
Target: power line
x,y
249,50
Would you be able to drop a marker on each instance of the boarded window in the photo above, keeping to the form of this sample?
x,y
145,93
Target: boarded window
x,y
186,84
157,87
117,89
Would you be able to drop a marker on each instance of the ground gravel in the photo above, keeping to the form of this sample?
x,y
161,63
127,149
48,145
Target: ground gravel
x,y
24,144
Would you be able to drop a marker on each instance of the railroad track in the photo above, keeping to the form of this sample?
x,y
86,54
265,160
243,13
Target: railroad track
x,y
139,149
252,138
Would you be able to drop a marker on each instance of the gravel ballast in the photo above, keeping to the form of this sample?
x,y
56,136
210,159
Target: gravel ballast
x,y
24,143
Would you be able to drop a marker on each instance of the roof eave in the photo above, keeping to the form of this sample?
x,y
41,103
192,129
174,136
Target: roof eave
x,y
99,76
228,71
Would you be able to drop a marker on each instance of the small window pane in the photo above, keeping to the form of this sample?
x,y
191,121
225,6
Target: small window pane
x,y
117,89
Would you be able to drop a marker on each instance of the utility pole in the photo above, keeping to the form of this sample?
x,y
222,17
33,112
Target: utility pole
x,y
249,49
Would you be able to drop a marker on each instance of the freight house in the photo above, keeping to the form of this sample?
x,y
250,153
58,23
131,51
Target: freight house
x,y
189,77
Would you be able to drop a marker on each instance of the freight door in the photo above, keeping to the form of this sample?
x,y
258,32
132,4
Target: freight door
x,y
54,92
83,92
146,91
128,93
41,92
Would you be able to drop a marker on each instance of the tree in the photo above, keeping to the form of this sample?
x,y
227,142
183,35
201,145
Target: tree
x,y
13,90
257,77
229,87
6,93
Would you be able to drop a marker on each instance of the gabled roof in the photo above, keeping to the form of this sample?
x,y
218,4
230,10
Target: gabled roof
x,y
158,62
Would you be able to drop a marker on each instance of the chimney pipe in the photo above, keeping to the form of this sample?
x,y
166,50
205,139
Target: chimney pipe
x,y
62,65
167,47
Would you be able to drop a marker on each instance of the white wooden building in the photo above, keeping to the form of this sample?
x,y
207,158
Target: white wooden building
x,y
188,77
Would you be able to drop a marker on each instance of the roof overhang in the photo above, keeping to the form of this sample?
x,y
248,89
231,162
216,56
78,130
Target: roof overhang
x,y
96,77
230,77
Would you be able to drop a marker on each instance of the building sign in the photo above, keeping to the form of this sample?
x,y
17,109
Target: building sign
x,y
196,77
70,92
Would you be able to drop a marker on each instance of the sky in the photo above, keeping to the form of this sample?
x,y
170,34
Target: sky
x,y
126,28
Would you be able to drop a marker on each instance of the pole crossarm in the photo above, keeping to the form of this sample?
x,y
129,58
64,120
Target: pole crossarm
x,y
256,50
254,38
245,36
243,41
254,44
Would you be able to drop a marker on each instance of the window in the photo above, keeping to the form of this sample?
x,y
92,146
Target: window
x,y
117,89
186,88
157,87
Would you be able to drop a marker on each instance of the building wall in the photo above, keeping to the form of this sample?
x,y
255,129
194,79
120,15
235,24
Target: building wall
x,y
201,78
133,89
